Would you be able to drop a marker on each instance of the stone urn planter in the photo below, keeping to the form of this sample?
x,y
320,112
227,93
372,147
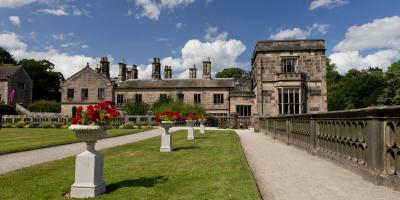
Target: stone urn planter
x,y
190,124
166,139
89,164
202,127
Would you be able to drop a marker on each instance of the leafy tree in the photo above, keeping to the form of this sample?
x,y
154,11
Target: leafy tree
x,y
46,82
230,73
391,94
168,104
161,101
135,108
6,57
45,106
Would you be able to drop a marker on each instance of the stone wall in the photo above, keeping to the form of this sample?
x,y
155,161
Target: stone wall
x,y
23,86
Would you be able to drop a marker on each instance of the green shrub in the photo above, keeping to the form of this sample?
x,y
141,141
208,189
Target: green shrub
x,y
7,110
7,125
179,106
127,126
135,108
45,106
45,125
65,126
34,125
57,125
20,124
114,125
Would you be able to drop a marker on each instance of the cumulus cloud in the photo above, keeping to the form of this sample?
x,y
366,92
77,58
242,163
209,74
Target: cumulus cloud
x,y
153,8
65,63
54,11
62,36
213,35
298,33
375,44
381,33
222,52
315,4
15,20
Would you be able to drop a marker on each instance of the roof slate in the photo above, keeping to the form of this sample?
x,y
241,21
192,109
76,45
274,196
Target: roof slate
x,y
6,71
177,83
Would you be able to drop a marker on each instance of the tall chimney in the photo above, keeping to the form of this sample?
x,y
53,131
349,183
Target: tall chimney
x,y
193,72
129,73
207,70
134,72
156,69
98,69
122,71
105,67
166,72
169,72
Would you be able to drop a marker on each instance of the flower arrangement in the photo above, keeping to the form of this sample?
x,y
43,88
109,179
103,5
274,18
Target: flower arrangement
x,y
191,117
168,116
100,114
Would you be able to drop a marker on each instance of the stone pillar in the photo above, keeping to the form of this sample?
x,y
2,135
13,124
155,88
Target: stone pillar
x,y
256,122
166,141
88,173
190,135
202,127
376,147
313,135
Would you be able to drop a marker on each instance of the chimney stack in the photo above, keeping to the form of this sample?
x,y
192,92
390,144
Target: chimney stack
x,y
156,69
129,73
122,71
193,72
207,70
167,72
97,69
105,67
134,72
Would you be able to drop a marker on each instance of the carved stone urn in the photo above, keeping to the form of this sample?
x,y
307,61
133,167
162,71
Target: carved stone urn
x,y
89,164
166,139
190,124
202,127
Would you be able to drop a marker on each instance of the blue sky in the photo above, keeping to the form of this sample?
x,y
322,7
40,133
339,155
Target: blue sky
x,y
358,33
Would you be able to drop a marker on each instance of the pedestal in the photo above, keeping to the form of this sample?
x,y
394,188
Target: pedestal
x,y
190,124
166,141
202,128
88,173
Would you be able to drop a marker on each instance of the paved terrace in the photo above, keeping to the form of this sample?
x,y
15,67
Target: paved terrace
x,y
284,172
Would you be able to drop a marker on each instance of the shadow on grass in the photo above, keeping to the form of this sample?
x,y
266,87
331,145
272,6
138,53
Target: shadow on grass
x,y
185,148
140,182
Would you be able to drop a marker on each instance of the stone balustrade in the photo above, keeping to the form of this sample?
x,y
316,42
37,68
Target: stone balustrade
x,y
364,140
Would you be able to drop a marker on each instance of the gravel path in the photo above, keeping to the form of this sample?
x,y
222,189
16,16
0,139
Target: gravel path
x,y
285,172
14,161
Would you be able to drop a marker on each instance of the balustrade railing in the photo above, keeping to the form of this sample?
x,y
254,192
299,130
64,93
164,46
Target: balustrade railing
x,y
367,140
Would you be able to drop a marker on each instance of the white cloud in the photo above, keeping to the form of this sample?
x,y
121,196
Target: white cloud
x,y
213,35
153,8
80,12
327,4
62,36
55,11
375,44
298,33
70,44
130,13
15,20
353,59
179,25
222,52
381,33
64,62
165,39
15,3
84,46
11,41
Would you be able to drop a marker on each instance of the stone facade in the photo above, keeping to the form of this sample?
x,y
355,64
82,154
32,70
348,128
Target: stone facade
x,y
99,88
287,73
15,86
302,83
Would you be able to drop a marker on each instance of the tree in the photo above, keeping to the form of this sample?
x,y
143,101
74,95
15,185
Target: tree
x,y
45,106
46,82
230,73
391,94
6,57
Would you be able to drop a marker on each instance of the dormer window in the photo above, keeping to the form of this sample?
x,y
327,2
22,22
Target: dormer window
x,y
288,65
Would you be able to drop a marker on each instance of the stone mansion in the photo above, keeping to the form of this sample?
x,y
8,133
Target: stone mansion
x,y
287,77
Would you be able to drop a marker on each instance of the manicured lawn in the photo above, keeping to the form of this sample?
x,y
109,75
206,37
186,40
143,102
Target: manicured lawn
x,y
212,166
22,139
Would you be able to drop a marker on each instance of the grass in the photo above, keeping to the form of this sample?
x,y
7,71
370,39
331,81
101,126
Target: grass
x,y
212,166
22,139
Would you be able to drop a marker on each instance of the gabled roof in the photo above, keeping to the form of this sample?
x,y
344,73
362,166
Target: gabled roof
x,y
8,71
86,68
177,83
